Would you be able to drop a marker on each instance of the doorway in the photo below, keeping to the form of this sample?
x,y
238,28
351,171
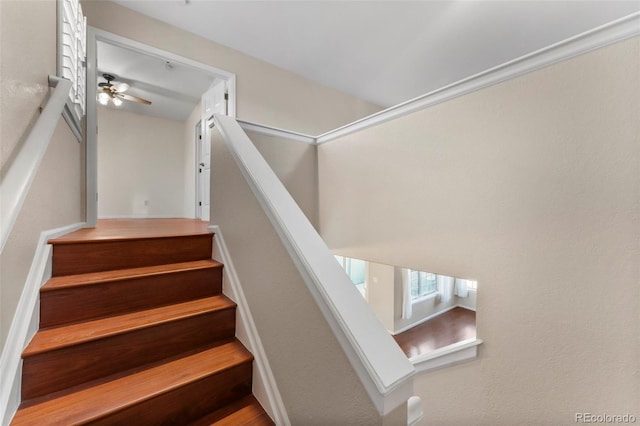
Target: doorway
x,y
194,189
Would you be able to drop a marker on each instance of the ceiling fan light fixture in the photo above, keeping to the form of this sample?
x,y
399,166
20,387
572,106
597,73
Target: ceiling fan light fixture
x,y
117,101
103,98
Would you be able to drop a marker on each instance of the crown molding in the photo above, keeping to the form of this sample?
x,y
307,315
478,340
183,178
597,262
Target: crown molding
x,y
613,32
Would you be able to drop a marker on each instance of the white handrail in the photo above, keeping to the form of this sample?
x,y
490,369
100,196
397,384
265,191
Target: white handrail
x,y
15,183
383,368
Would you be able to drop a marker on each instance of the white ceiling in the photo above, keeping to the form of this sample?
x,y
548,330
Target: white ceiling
x,y
174,89
385,51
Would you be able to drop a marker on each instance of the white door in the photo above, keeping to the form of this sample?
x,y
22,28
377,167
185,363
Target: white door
x,y
214,101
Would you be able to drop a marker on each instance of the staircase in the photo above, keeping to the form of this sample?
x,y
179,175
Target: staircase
x,y
134,329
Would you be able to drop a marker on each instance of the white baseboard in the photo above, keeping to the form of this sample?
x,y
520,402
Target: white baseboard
x,y
265,388
468,308
25,323
423,320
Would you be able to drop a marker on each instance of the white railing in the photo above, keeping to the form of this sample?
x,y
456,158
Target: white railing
x,y
15,183
382,367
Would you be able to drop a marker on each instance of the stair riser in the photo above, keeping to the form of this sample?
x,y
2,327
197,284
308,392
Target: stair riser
x,y
59,369
96,256
81,303
188,403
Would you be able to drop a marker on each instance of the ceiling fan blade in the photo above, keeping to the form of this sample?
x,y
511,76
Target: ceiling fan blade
x,y
103,84
121,87
133,98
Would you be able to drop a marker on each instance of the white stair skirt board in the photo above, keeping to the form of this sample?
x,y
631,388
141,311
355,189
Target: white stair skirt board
x,y
25,323
265,388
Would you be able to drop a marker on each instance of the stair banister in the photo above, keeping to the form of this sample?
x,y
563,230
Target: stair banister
x,y
382,367
15,182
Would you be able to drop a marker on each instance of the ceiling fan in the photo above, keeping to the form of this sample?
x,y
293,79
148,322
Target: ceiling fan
x,y
114,92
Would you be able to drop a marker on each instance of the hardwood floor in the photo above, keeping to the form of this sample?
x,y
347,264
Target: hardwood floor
x,y
451,327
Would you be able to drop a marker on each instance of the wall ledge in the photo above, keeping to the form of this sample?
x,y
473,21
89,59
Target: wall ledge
x,y
447,356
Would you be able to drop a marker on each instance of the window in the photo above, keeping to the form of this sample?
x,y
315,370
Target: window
x,y
422,283
72,47
355,269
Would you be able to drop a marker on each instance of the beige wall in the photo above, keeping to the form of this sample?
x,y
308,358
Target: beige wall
x,y
380,292
23,77
531,187
265,94
313,374
295,163
141,159
55,197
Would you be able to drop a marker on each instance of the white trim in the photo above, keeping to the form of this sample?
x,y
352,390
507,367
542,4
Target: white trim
x,y
265,388
93,36
274,131
145,49
381,366
197,136
73,121
469,308
596,38
425,319
91,147
25,323
447,356
15,184
414,410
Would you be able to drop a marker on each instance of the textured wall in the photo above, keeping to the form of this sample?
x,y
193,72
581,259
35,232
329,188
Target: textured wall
x,y
296,164
532,187
23,77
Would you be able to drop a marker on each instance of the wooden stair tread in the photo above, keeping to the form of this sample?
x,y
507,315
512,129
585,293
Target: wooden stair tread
x,y
68,335
98,401
66,281
131,229
246,411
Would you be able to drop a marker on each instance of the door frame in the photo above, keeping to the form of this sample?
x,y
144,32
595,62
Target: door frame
x,y
197,134
91,151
